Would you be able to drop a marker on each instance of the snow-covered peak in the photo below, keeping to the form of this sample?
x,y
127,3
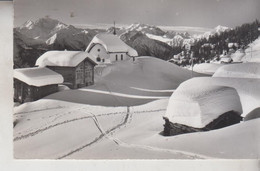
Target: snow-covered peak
x,y
61,26
28,24
217,30
51,40
220,29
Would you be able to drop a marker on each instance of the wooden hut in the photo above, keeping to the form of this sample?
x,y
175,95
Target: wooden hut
x,y
31,84
76,67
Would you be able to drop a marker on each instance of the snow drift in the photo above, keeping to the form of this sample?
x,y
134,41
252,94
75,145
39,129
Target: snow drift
x,y
196,103
207,68
242,70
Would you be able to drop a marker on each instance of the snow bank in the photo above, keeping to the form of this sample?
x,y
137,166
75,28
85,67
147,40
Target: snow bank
x,y
38,76
242,70
206,68
61,58
255,48
197,104
112,43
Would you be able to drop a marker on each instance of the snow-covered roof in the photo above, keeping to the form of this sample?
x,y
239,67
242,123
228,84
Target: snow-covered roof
x,y
112,44
61,58
196,104
38,76
242,70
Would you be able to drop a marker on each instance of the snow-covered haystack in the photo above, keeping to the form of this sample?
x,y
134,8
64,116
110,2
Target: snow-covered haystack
x,y
206,68
243,70
201,105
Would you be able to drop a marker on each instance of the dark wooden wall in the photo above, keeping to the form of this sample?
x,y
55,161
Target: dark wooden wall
x,y
31,93
68,74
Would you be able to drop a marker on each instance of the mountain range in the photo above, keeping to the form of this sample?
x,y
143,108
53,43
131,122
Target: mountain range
x,y
34,38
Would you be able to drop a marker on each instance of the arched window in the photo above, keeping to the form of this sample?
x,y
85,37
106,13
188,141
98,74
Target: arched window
x,y
98,59
122,57
116,58
98,50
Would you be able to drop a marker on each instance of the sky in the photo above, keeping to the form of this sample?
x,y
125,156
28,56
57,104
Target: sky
x,y
194,13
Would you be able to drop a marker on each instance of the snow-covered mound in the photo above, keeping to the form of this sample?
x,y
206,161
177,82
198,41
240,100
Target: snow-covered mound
x,y
207,68
145,72
38,76
61,58
242,70
112,43
196,103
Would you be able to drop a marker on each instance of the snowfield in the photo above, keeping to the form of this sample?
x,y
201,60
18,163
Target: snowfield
x,y
121,116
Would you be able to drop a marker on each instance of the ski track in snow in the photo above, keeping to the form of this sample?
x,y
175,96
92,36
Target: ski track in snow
x,y
127,120
38,131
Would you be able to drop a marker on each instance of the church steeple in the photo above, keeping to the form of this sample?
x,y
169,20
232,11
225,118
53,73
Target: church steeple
x,y
114,32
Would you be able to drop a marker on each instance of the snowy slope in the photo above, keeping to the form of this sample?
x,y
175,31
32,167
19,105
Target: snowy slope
x,y
145,72
55,129
255,48
242,70
207,68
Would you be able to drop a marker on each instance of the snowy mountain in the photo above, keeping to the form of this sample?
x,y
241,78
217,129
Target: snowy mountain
x,y
34,38
50,34
217,30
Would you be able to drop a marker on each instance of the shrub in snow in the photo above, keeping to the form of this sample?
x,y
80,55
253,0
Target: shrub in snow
x,y
201,107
